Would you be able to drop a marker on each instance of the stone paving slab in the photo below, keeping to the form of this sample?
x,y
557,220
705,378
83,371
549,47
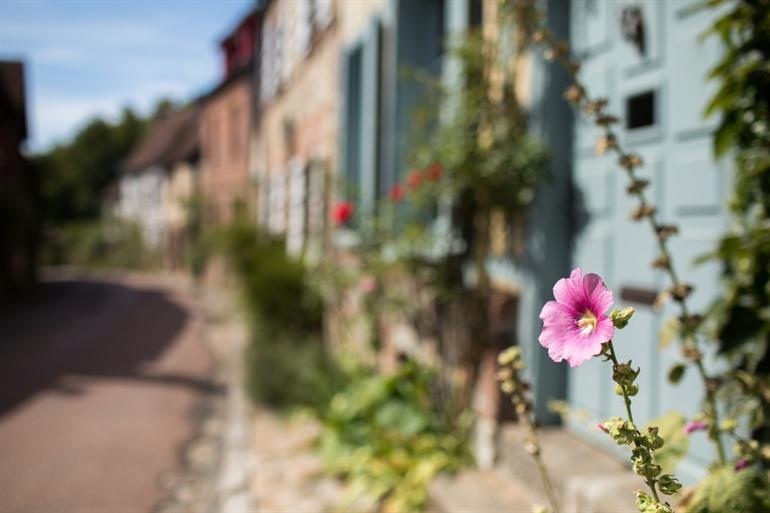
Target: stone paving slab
x,y
288,472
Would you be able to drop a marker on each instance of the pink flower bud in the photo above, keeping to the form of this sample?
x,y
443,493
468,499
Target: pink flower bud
x,y
742,464
695,425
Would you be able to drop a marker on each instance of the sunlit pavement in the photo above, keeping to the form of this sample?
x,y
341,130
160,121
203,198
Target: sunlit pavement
x,y
99,381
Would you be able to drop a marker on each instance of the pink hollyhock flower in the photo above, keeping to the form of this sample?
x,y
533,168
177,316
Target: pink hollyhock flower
x,y
342,212
396,193
576,325
695,425
742,464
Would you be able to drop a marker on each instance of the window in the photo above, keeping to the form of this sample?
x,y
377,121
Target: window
x,y
363,119
353,123
267,63
272,53
236,134
640,110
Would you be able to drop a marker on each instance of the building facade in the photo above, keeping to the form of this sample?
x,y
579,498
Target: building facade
x,y
158,179
226,119
18,238
294,144
646,57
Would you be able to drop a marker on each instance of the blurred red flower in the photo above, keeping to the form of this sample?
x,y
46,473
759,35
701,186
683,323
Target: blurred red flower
x,y
434,171
414,180
342,212
397,193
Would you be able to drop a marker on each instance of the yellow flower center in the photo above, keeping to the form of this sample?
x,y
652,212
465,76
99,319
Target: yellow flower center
x,y
587,323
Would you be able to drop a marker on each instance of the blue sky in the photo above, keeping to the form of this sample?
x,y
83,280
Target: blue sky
x,y
92,57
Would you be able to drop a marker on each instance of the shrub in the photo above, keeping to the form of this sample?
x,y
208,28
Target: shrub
x,y
112,243
726,490
286,362
383,435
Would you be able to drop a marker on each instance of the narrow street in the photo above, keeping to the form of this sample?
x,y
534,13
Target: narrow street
x,y
101,379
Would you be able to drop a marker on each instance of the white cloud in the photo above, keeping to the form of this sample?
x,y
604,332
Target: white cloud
x,y
55,117
87,60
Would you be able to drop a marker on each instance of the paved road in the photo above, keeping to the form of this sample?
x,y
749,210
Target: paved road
x,y
98,383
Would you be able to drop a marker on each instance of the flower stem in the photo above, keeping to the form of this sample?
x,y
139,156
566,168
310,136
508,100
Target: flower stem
x,y
545,478
627,399
513,383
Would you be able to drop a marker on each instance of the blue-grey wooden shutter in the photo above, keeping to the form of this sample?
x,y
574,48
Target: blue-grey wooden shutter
x,y
370,117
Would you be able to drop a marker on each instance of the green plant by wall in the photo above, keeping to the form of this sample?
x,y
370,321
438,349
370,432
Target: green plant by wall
x,y
197,248
726,490
742,100
477,131
108,243
385,437
286,363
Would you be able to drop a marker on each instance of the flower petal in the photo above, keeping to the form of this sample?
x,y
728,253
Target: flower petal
x,y
599,298
569,291
583,349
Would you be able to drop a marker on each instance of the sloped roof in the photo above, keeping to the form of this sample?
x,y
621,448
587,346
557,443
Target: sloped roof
x,y
172,137
12,98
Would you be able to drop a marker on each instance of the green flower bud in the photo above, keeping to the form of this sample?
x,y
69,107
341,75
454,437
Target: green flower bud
x,y
509,356
669,484
622,431
631,389
651,440
729,424
620,317
624,372
643,501
646,467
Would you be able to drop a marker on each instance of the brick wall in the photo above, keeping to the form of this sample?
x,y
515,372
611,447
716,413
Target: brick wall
x,y
224,135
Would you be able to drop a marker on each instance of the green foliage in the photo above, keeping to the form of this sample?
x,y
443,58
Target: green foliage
x,y
288,372
481,139
198,247
109,243
671,429
286,363
384,436
742,100
726,490
275,286
73,176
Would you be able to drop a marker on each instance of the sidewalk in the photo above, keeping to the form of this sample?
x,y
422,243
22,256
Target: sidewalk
x,y
247,459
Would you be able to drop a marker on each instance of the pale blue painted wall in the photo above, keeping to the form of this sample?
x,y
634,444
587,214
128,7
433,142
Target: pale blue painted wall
x,y
689,188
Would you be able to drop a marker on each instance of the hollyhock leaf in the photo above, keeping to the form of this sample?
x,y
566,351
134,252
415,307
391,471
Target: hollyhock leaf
x,y
669,332
676,373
